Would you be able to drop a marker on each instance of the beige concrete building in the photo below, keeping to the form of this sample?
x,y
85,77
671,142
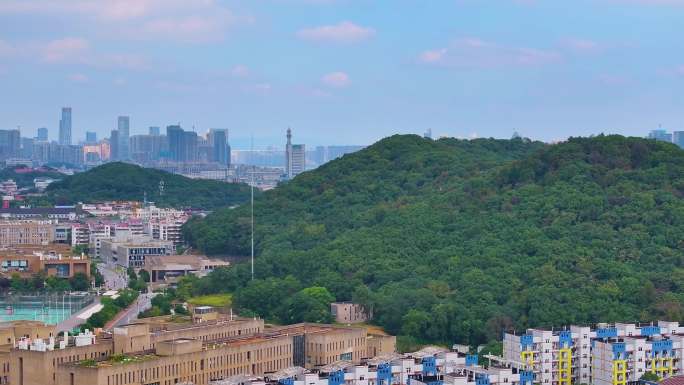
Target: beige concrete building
x,y
26,232
348,312
163,351
168,268
28,261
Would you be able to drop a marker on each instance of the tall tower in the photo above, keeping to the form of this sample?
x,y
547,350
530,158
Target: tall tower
x,y
288,154
65,126
123,126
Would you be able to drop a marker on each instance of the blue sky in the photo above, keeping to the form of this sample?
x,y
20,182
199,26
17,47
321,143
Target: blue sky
x,y
345,71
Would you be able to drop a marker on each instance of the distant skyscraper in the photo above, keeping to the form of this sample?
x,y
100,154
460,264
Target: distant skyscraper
x,y
65,126
154,130
218,139
42,134
27,148
174,135
661,135
189,147
123,126
91,137
145,148
114,145
10,144
295,157
428,134
678,138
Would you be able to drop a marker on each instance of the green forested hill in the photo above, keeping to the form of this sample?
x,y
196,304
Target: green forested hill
x,y
122,181
25,179
454,240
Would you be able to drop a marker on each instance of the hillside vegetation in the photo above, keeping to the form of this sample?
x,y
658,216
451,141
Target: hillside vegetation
x,y
454,241
25,179
121,181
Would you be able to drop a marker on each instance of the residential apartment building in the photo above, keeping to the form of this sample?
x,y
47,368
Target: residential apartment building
x,y
428,366
166,229
606,355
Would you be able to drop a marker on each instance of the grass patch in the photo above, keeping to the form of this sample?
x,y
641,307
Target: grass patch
x,y
215,300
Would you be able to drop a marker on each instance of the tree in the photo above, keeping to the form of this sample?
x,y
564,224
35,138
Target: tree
x,y
80,249
59,285
479,235
131,273
308,305
144,275
650,376
17,283
80,282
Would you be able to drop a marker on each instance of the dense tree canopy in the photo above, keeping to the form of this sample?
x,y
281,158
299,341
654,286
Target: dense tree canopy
x,y
122,181
25,178
454,241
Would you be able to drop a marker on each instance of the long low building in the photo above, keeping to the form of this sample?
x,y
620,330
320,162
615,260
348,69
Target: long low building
x,y
169,268
28,261
167,352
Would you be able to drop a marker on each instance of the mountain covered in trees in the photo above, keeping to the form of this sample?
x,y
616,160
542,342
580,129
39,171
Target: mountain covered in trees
x,y
454,240
122,181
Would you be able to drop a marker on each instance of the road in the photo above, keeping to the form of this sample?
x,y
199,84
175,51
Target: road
x,y
117,279
143,303
114,280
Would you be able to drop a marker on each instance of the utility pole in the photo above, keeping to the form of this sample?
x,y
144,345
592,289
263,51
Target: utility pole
x,y
251,190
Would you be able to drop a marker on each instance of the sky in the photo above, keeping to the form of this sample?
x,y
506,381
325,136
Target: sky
x,y
344,71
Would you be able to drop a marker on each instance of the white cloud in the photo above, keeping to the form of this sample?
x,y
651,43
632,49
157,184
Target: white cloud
x,y
433,56
67,49
336,79
344,32
78,78
475,53
240,71
177,20
582,45
78,51
190,29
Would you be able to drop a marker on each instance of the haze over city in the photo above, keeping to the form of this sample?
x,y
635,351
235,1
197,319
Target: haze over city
x,y
343,71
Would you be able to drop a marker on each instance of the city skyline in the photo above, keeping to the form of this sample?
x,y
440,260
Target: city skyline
x,y
344,72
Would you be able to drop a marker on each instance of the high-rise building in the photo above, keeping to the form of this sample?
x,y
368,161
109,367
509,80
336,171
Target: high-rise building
x,y
174,135
678,138
183,145
114,145
123,126
154,130
218,139
91,137
190,146
295,157
65,126
10,144
145,148
27,148
661,135
42,134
